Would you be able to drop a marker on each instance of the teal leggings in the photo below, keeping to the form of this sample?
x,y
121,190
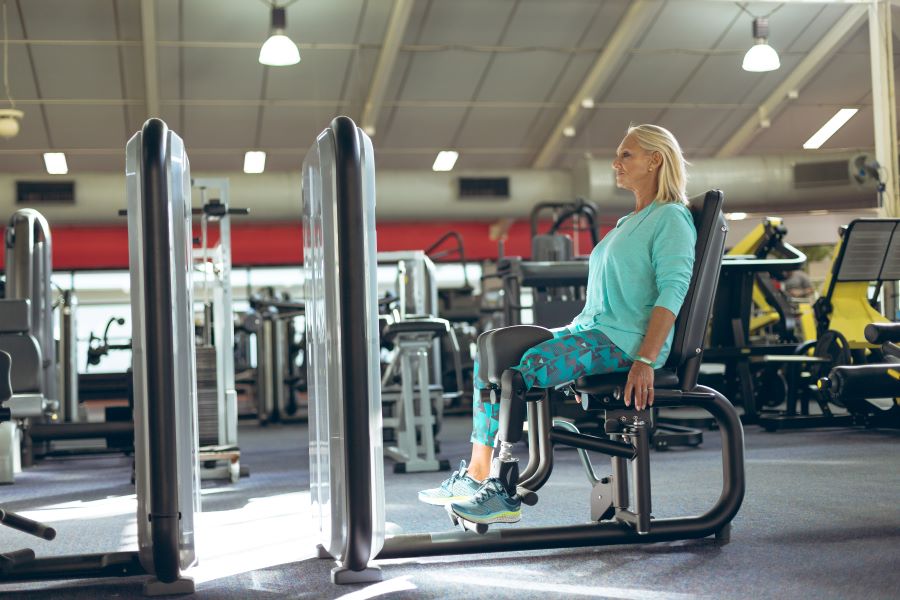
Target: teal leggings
x,y
565,358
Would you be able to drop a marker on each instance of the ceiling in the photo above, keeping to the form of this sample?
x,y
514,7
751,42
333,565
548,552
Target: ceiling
x,y
493,79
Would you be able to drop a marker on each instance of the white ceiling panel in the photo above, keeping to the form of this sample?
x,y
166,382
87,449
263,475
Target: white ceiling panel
x,y
719,80
608,126
71,20
133,70
678,27
374,20
232,20
26,165
168,19
319,76
21,76
653,78
692,127
167,64
219,127
465,22
420,161
232,74
555,24
287,161
811,26
129,13
845,80
78,71
86,163
216,162
496,127
288,127
421,128
611,12
490,161
451,75
87,126
724,129
522,77
570,79
358,80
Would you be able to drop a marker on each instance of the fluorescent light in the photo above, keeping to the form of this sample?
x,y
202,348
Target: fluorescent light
x,y
736,216
56,163
279,50
445,160
587,103
568,131
829,128
254,162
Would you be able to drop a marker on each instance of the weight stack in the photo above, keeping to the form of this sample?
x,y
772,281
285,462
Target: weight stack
x,y
207,396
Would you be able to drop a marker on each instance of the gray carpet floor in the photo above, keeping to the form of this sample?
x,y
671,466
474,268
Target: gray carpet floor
x,y
821,519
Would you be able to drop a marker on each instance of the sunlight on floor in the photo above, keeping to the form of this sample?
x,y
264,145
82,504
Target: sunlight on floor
x,y
263,533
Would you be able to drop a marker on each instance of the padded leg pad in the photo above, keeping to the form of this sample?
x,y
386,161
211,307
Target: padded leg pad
x,y
500,349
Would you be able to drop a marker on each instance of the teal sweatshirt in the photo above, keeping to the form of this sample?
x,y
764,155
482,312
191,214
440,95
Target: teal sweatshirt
x,y
645,261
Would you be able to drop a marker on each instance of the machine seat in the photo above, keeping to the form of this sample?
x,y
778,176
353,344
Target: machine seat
x,y
416,325
601,384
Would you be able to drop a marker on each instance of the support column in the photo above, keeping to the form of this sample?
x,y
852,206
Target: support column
x,y
881,56
883,106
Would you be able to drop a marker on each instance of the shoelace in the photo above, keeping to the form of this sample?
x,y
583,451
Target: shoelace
x,y
457,475
491,488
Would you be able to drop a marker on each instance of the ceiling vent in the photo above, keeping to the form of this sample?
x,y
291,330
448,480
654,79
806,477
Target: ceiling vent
x,y
45,192
817,174
484,188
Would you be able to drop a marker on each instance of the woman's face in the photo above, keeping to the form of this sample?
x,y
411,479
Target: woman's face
x,y
636,168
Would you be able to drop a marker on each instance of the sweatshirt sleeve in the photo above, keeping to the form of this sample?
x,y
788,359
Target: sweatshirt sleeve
x,y
672,257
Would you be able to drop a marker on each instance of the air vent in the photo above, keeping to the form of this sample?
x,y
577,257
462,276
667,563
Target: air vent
x,y
818,174
484,188
45,192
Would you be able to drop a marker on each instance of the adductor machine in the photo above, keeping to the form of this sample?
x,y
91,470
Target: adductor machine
x,y
346,478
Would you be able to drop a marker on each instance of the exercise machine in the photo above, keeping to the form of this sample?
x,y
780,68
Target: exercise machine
x,y
867,254
859,387
167,477
347,484
216,394
26,333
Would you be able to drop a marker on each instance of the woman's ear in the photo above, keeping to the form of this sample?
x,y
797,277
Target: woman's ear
x,y
656,159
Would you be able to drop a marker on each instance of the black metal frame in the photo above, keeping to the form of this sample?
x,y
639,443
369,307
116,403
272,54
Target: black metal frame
x,y
358,484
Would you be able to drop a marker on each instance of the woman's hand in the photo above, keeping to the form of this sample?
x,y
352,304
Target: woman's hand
x,y
640,385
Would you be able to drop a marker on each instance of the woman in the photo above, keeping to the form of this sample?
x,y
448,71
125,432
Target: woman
x,y
638,277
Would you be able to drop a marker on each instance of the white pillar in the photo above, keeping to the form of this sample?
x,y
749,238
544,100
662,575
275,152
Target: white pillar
x,y
883,107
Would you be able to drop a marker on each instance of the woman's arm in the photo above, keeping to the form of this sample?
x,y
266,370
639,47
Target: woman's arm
x,y
640,377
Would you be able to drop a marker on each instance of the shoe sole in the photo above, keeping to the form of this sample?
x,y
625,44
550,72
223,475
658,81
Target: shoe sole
x,y
506,517
442,501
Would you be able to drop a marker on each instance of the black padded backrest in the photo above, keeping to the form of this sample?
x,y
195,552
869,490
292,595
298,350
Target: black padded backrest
x,y
24,350
5,385
690,326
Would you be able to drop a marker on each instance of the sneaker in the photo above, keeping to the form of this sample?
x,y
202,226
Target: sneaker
x,y
490,504
456,488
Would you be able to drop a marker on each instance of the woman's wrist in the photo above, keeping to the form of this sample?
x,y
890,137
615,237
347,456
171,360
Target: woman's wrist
x,y
643,359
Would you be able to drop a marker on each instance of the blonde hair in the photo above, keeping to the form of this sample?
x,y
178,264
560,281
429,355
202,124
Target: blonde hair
x,y
673,171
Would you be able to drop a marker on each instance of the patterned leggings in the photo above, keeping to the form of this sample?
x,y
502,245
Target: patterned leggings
x,y
565,358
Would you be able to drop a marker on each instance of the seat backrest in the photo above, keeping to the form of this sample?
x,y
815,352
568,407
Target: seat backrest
x,y
5,385
690,326
27,376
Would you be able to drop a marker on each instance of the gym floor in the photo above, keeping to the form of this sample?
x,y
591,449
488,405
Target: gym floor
x,y
821,519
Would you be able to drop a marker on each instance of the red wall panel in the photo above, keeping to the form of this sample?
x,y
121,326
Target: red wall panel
x,y
79,247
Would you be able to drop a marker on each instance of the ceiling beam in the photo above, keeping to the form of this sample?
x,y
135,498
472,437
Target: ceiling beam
x,y
151,71
632,25
806,69
386,60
